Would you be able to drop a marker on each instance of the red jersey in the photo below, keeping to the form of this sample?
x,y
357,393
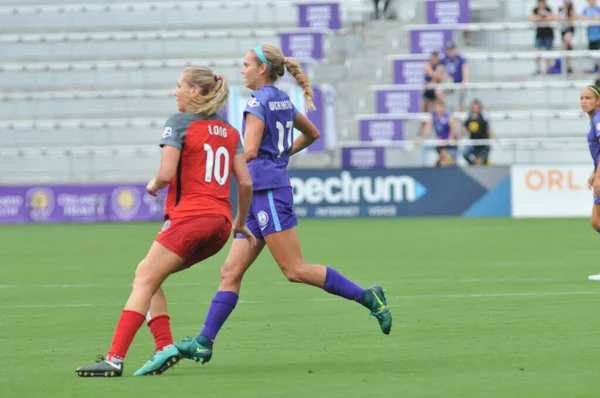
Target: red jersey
x,y
201,185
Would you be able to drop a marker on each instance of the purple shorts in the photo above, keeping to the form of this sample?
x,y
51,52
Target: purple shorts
x,y
272,210
596,200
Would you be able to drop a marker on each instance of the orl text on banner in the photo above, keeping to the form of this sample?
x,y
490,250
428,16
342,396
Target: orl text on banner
x,y
551,191
447,11
319,15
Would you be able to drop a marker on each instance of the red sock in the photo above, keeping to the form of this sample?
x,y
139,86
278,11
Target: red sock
x,y
161,330
128,325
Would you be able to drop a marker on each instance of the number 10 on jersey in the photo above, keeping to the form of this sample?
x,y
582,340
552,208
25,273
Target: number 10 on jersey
x,y
213,164
282,139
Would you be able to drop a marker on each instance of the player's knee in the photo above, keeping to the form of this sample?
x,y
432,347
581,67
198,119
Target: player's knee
x,y
144,278
295,273
596,224
229,274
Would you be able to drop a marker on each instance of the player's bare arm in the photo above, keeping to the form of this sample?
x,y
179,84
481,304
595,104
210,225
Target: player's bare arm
x,y
253,136
309,131
168,168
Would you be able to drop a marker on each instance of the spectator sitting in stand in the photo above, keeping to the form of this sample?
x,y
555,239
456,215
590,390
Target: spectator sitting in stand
x,y
434,73
477,125
457,71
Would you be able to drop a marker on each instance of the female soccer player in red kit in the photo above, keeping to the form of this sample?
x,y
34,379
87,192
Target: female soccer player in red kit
x,y
199,153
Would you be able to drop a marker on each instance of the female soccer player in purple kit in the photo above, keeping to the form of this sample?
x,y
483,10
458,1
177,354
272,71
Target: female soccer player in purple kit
x,y
268,126
590,104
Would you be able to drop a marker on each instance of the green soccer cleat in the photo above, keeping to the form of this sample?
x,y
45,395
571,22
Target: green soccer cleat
x,y
160,361
102,368
376,301
198,349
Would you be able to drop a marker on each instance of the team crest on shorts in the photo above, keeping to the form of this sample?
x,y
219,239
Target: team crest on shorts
x,y
263,219
166,225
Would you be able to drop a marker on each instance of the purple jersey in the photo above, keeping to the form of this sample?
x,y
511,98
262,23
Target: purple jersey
x,y
454,67
442,125
275,109
594,138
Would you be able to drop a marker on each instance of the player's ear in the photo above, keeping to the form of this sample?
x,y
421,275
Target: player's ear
x,y
196,90
264,69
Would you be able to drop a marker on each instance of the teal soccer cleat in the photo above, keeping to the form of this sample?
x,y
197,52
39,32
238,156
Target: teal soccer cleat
x,y
376,301
160,362
198,349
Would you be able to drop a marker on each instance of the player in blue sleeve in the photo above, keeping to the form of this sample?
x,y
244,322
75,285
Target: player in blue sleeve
x,y
268,126
590,104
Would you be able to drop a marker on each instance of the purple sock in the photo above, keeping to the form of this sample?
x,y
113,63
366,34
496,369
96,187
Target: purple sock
x,y
220,308
338,284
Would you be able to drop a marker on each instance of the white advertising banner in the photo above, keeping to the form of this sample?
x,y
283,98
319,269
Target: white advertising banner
x,y
551,191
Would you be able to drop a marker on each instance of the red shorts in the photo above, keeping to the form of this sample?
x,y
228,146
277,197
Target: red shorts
x,y
195,238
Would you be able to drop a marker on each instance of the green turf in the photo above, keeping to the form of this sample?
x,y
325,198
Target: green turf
x,y
483,308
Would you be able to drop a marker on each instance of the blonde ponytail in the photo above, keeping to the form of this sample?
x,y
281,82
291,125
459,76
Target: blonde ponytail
x,y
279,64
293,67
215,90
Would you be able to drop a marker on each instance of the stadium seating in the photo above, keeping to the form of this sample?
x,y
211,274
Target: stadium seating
x,y
132,44
42,16
546,94
99,74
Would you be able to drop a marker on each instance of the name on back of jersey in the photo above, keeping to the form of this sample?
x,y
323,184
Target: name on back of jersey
x,y
217,130
280,105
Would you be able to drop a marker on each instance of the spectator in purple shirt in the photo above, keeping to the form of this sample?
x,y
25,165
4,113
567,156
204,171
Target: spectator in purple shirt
x,y
457,71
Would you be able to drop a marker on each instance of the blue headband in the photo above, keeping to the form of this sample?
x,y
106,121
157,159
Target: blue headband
x,y
261,55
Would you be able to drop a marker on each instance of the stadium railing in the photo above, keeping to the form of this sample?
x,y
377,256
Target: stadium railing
x,y
123,73
532,123
137,162
140,44
499,64
534,93
505,34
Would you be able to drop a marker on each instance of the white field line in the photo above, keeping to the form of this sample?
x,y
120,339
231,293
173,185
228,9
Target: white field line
x,y
407,297
215,283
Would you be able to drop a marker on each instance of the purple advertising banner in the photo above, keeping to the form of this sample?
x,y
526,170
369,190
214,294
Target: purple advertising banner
x,y
378,131
409,71
363,158
303,46
447,11
318,118
428,41
398,101
79,203
319,15
12,205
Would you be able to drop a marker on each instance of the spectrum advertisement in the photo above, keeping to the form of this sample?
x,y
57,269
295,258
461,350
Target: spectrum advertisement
x,y
411,192
468,192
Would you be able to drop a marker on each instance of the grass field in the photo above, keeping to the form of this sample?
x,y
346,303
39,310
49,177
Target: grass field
x,y
482,308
